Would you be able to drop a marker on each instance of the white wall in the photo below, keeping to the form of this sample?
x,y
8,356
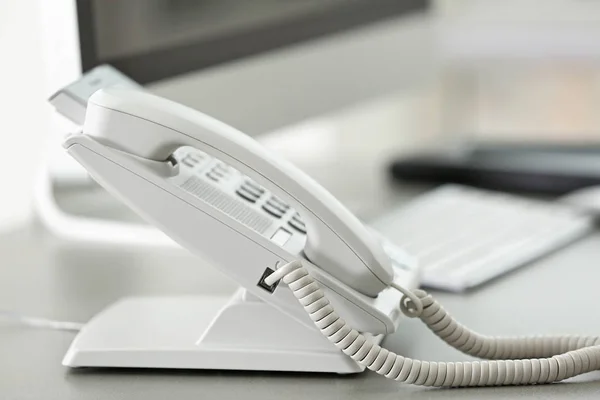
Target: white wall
x,y
23,111
474,29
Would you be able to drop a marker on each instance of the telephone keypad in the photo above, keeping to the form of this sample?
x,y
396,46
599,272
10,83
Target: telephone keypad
x,y
230,180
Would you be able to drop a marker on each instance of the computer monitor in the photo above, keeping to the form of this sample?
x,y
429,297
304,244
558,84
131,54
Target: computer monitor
x,y
150,40
258,66
254,64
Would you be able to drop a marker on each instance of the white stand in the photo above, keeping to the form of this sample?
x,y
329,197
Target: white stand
x,y
203,332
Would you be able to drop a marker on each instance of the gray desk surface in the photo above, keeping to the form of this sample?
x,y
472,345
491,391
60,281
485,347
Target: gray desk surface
x,y
43,276
46,276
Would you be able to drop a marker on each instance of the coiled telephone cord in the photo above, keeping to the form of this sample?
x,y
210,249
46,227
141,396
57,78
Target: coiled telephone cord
x,y
515,361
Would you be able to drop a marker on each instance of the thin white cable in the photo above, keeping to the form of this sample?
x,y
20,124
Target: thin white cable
x,y
516,361
36,322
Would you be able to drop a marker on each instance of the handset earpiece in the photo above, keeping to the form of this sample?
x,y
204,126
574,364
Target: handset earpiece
x,y
153,128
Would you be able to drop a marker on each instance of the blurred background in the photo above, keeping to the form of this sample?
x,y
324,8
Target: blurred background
x,y
380,101
313,80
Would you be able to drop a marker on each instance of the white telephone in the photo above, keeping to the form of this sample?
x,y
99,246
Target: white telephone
x,y
259,219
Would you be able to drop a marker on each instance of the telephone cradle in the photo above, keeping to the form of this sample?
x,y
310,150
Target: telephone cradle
x,y
241,332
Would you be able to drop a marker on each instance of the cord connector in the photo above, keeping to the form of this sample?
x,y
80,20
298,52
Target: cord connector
x,y
269,285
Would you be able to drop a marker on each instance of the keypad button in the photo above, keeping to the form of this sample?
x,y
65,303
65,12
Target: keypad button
x,y
250,189
277,206
299,223
189,161
297,218
299,226
221,168
214,177
195,157
280,203
272,210
196,153
254,186
246,195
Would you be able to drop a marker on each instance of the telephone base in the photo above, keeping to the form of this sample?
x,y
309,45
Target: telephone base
x,y
204,332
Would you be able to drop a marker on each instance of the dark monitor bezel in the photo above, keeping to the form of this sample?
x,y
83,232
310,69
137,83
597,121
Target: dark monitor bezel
x,y
166,63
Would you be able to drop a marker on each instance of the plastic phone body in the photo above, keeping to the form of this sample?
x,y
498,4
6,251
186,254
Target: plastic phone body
x,y
127,145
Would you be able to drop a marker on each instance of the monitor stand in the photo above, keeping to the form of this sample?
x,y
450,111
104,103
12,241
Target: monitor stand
x,y
204,332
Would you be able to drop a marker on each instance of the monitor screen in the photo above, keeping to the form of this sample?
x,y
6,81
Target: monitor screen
x,y
151,40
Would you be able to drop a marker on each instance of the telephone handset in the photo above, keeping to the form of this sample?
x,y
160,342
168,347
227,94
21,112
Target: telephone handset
x,y
153,128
